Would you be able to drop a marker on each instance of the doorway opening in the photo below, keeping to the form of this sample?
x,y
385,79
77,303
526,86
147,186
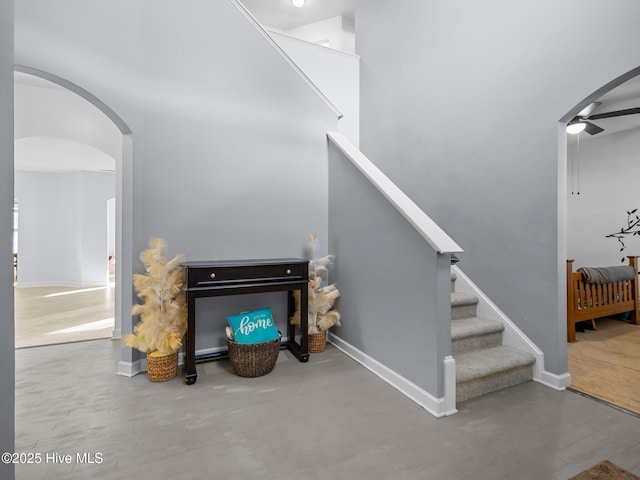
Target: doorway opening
x,y
600,169
74,234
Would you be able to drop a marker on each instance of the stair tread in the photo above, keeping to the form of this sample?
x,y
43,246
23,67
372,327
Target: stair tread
x,y
488,361
474,326
462,298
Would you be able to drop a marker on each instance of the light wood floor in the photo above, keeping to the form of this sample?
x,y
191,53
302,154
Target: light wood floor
x,y
327,419
51,315
605,363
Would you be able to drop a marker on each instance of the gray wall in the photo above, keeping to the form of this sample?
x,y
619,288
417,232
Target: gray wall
x,y
7,356
386,273
460,106
229,148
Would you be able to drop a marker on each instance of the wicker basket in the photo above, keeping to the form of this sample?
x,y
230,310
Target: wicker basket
x,y
253,359
317,342
161,368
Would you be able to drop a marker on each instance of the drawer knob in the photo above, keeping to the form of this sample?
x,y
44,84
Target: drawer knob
x,y
288,271
213,275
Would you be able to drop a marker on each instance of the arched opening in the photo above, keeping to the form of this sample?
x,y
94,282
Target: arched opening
x,y
598,168
123,195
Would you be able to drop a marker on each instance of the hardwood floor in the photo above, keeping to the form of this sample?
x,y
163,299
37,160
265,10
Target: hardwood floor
x,y
51,315
605,363
326,419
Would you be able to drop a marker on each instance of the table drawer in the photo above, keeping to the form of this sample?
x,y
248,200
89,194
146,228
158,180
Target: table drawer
x,y
230,275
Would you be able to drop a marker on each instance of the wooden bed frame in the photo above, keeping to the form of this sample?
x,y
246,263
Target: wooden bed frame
x,y
588,301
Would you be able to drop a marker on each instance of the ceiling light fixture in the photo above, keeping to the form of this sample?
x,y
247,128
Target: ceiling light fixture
x,y
298,3
575,128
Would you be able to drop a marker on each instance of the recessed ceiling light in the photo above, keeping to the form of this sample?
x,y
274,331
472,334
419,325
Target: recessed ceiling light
x,y
298,3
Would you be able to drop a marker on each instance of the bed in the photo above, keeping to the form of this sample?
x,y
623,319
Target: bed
x,y
598,292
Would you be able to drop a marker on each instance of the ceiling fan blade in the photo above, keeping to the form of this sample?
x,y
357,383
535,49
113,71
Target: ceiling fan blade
x,y
586,111
592,129
616,113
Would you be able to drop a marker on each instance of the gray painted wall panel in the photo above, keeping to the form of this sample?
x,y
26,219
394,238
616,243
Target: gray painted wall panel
x,y
461,110
7,356
229,148
386,274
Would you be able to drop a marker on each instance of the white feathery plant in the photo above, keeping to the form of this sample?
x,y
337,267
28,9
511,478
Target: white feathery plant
x,y
163,313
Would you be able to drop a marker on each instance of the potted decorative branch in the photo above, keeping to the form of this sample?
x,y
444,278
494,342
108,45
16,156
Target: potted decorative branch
x,y
321,300
163,311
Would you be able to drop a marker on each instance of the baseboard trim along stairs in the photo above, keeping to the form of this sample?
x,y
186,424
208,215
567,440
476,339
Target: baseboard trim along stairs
x,y
483,363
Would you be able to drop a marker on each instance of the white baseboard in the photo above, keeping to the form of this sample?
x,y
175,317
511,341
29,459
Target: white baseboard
x,y
203,351
557,382
438,407
131,369
20,284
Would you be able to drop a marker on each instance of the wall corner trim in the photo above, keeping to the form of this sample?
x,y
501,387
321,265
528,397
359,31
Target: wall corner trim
x,y
131,369
449,364
552,380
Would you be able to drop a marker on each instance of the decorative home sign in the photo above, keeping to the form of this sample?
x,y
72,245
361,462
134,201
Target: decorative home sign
x,y
253,327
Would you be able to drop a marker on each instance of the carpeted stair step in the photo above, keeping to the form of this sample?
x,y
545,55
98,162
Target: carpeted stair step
x,y
487,370
469,334
463,305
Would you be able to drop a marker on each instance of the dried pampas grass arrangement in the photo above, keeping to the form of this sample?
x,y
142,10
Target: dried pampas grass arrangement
x,y
321,299
163,313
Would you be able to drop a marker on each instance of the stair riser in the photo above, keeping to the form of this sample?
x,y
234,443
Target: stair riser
x,y
483,364
491,383
463,311
477,342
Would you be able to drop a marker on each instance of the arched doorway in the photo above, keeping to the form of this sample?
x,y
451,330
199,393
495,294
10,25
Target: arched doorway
x,y
123,195
598,168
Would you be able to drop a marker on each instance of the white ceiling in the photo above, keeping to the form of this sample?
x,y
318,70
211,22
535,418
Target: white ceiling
x,y
58,131
51,154
283,15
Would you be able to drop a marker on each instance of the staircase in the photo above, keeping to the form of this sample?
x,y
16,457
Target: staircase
x,y
483,364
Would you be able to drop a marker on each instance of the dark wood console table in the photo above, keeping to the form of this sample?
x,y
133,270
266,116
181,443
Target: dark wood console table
x,y
234,277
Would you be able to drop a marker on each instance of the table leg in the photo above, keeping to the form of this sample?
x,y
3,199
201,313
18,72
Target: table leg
x,y
189,361
304,319
299,350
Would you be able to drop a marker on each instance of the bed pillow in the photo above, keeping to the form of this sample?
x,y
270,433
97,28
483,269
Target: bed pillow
x,y
253,327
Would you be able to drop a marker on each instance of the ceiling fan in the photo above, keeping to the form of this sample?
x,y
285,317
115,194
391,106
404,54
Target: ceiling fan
x,y
582,121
